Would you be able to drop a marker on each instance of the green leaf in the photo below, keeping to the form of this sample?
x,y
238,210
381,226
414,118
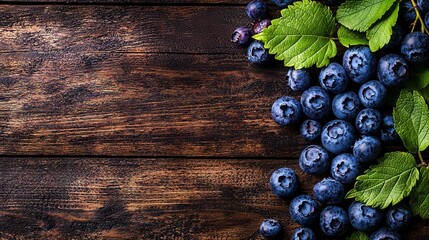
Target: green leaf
x,y
349,37
411,116
419,198
360,15
302,36
358,236
419,77
388,182
381,32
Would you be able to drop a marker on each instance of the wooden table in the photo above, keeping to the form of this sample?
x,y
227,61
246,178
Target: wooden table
x,y
138,119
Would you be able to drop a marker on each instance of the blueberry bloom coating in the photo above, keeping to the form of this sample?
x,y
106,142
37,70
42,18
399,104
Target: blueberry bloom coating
x,y
261,25
359,63
270,229
256,9
338,136
346,105
407,12
298,80
345,168
283,3
364,218
257,54
241,36
372,94
392,70
367,149
314,159
284,183
286,110
388,132
303,233
398,217
423,5
315,103
333,78
311,130
368,121
415,47
304,210
333,221
385,234
427,20
329,191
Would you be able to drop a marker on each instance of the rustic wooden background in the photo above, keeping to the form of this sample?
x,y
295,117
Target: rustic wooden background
x,y
138,119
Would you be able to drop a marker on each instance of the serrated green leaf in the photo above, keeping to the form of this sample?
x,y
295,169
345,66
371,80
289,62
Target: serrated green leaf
x,y
419,77
302,36
358,236
411,116
381,32
388,182
349,37
360,15
419,198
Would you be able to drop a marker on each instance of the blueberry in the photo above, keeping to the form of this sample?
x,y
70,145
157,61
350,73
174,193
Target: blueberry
x,y
257,54
385,234
241,36
314,159
311,129
286,110
364,218
388,132
270,229
359,63
368,121
298,80
304,210
284,183
407,12
261,25
303,233
256,9
395,39
398,217
338,136
329,191
333,221
415,47
345,168
367,149
427,20
372,94
283,3
333,78
423,6
346,105
315,103
392,70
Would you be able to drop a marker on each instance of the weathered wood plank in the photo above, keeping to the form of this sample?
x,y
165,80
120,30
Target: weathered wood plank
x,y
74,198
178,29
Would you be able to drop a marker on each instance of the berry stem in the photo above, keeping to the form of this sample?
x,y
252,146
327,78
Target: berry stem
x,y
421,159
418,18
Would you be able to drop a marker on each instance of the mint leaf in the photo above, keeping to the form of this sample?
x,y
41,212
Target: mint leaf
x,y
360,15
419,198
349,37
388,182
411,116
301,37
419,78
381,32
358,236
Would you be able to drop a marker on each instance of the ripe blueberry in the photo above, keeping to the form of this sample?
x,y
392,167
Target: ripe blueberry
x,y
364,218
304,210
367,149
315,103
284,183
261,25
415,47
372,94
359,63
368,121
314,159
286,110
345,168
298,80
311,130
333,221
333,78
398,217
338,136
388,132
270,229
329,191
256,9
257,54
392,70
303,233
385,233
346,105
241,36
283,3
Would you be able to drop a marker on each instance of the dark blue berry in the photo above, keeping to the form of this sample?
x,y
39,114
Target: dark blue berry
x,y
392,70
372,94
359,63
338,136
407,12
314,159
368,121
298,80
329,191
286,110
270,229
385,234
415,47
388,132
345,168
333,78
303,233
241,36
283,3
261,25
333,221
284,183
257,54
423,6
346,105
427,20
315,102
398,217
304,210
311,130
364,218
395,39
256,9
367,149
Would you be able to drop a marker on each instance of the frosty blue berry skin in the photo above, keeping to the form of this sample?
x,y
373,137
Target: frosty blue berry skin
x,y
398,217
368,121
303,233
256,9
333,221
298,79
257,54
338,136
373,94
333,78
270,229
392,70
345,168
284,183
329,191
314,159
387,130
364,218
283,3
241,36
385,233
304,210
316,103
310,130
286,110
346,105
367,149
360,64
415,47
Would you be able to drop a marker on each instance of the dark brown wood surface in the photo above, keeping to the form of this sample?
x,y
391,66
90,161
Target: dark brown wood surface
x,y
138,121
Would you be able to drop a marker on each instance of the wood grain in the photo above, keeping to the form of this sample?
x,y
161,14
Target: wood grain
x,y
116,198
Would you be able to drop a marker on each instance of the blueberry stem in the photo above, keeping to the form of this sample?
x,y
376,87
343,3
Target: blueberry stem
x,y
418,18
421,159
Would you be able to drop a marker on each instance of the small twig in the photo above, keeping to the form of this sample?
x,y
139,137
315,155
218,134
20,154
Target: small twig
x,y
421,158
418,18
